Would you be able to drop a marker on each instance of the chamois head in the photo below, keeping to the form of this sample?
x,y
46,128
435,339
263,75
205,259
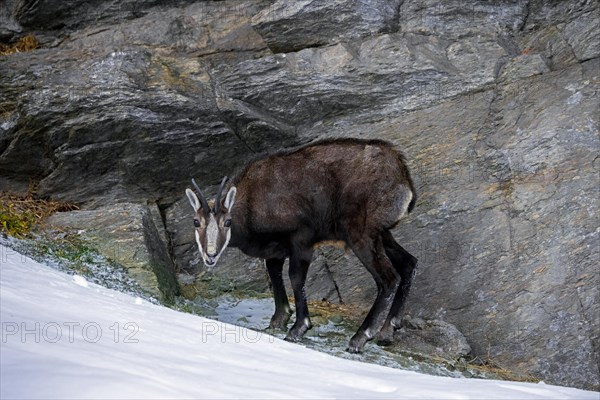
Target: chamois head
x,y
212,222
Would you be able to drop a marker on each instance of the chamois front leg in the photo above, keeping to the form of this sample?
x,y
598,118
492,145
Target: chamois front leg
x,y
282,307
299,262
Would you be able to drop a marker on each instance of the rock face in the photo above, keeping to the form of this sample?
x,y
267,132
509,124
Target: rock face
x,y
288,27
494,103
131,235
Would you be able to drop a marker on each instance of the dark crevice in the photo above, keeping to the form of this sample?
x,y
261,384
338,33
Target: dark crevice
x,y
335,285
488,120
162,210
199,54
280,50
395,23
526,18
160,262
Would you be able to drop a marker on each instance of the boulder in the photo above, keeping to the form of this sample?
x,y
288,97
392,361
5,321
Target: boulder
x,y
431,338
130,235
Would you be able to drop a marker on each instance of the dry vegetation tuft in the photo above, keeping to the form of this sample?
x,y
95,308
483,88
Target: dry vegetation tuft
x,y
491,367
26,43
18,214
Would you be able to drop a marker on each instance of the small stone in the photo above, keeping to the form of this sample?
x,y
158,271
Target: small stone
x,y
434,338
318,320
413,323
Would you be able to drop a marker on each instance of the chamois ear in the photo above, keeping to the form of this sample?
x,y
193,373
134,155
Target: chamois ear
x,y
230,198
193,199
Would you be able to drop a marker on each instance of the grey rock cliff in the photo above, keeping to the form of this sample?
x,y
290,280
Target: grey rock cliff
x,y
494,103
288,27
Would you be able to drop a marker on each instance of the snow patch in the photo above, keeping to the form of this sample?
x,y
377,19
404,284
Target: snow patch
x,y
62,340
80,280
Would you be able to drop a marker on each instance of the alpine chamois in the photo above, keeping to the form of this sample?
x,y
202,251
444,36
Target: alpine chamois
x,y
283,204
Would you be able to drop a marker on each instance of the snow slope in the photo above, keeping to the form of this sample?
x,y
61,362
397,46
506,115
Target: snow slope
x,y
63,337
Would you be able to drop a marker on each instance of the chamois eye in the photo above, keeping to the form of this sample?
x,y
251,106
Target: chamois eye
x,y
196,223
227,223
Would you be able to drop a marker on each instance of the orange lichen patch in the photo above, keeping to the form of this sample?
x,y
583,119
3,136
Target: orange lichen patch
x,y
26,43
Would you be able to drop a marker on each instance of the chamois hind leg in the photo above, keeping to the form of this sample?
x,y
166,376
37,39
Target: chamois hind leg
x,y
372,254
282,307
405,265
299,263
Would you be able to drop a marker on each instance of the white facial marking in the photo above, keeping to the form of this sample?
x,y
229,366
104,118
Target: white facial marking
x,y
227,238
212,234
199,244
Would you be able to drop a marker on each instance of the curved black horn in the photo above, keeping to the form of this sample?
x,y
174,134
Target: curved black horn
x,y
219,193
202,199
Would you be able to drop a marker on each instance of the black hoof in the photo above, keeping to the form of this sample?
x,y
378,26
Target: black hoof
x,y
297,332
384,342
291,338
357,343
279,322
385,337
278,325
353,350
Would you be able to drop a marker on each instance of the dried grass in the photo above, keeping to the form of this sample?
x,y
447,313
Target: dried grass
x,y
491,367
26,43
18,214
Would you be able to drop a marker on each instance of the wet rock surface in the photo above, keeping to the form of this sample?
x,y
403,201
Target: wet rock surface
x,y
431,346
494,103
